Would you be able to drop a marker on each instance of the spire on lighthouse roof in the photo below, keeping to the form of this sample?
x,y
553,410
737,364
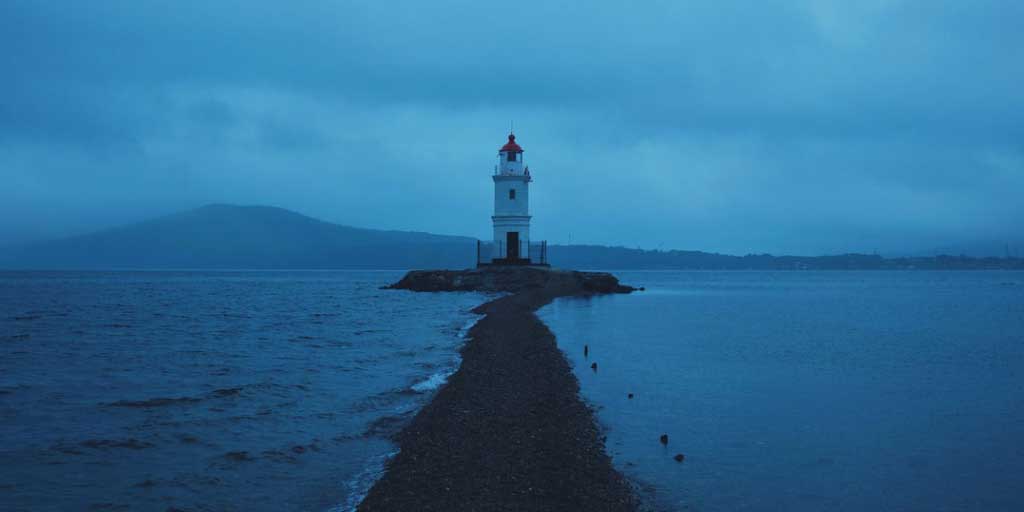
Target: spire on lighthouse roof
x,y
511,145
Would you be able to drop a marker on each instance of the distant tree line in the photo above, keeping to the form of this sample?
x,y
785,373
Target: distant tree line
x,y
595,256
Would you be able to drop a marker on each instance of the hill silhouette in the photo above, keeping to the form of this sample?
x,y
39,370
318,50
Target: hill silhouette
x,y
237,237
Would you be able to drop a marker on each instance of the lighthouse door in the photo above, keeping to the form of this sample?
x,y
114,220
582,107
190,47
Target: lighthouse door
x,y
512,242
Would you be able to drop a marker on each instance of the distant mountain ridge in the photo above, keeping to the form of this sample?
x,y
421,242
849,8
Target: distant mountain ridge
x,y
223,236
256,237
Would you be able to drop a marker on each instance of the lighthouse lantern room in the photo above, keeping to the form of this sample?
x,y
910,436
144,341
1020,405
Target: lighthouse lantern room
x,y
511,219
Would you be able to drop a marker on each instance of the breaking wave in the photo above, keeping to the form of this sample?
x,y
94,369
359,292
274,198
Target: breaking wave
x,y
438,379
359,485
434,382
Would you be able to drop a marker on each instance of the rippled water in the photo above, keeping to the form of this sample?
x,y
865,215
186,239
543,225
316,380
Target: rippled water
x,y
809,391
211,391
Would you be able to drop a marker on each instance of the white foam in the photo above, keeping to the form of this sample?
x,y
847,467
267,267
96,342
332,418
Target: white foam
x,y
359,485
464,331
438,379
434,381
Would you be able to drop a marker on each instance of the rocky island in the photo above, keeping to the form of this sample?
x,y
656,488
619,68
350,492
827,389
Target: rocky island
x,y
509,430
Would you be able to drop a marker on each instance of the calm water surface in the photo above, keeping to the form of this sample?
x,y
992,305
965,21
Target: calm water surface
x,y
211,391
810,391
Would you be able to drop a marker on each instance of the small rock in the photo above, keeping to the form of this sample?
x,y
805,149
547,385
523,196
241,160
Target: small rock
x,y
630,396
238,456
679,457
593,366
664,439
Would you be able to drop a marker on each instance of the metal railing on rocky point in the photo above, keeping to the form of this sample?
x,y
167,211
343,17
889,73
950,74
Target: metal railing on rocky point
x,y
496,253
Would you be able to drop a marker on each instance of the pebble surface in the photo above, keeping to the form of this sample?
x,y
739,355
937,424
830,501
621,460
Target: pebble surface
x,y
509,430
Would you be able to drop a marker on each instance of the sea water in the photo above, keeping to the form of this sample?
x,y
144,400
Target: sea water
x,y
211,390
809,391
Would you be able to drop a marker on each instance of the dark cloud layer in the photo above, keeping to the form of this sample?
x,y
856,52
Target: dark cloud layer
x,y
785,126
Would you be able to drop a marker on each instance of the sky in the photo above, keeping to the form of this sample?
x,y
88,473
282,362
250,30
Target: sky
x,y
799,127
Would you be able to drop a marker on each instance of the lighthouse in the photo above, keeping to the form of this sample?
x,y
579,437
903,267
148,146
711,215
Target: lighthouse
x,y
511,219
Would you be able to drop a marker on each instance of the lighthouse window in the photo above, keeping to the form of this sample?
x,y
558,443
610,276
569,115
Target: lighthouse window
x,y
512,193
511,156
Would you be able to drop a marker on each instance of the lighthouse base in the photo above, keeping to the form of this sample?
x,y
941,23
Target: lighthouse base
x,y
511,263
523,254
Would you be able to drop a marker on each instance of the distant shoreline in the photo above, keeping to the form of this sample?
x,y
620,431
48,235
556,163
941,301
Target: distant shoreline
x,y
509,430
226,237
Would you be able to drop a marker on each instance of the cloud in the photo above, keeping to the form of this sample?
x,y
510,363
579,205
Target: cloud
x,y
784,126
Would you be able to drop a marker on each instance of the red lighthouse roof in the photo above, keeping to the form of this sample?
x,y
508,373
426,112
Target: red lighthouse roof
x,y
511,145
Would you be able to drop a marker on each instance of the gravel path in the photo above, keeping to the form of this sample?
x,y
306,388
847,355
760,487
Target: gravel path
x,y
508,431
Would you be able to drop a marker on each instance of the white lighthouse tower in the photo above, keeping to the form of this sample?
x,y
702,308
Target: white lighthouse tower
x,y
511,207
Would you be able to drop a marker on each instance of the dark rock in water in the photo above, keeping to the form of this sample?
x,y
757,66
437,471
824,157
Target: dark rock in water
x,y
679,457
511,279
132,444
298,449
66,448
630,396
279,456
593,366
586,350
154,402
238,456
664,439
221,393
107,506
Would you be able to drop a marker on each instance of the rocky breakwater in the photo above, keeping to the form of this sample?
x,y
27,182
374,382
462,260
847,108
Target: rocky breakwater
x,y
508,431
512,279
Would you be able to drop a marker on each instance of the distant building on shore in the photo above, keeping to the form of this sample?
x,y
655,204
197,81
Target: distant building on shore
x,y
511,220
